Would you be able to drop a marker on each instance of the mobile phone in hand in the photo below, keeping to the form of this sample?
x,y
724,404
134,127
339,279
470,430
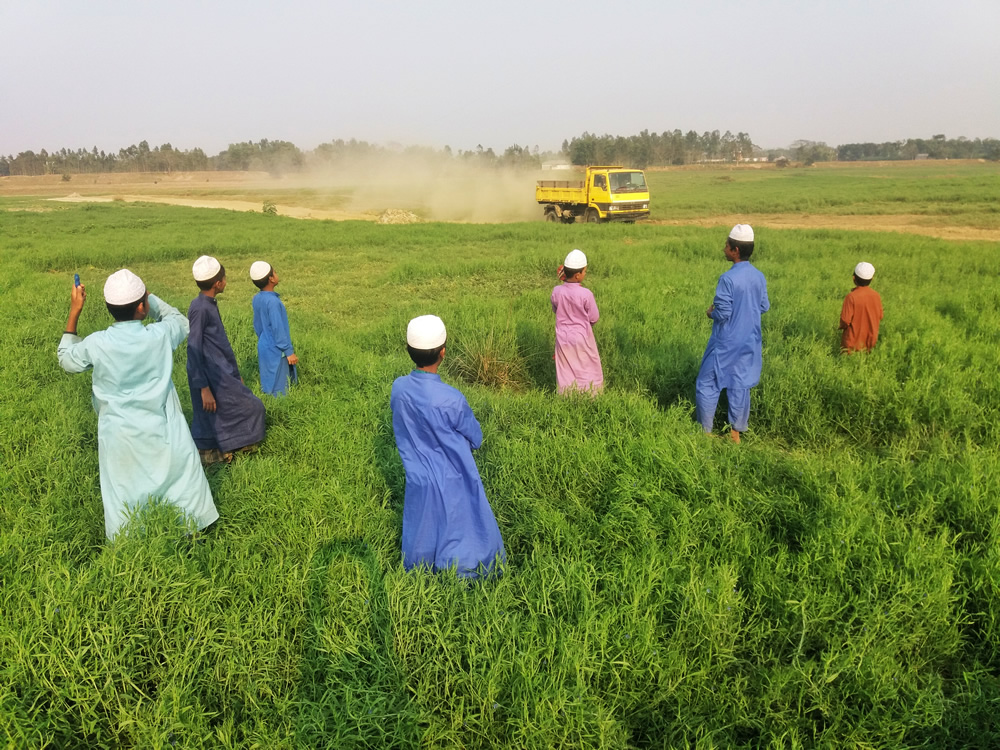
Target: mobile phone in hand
x,y
76,279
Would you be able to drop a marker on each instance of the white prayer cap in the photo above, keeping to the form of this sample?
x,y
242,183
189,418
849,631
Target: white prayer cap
x,y
576,259
864,271
206,268
260,270
426,332
742,233
123,288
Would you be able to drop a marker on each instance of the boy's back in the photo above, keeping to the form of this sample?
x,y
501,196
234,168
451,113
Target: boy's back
x,y
132,365
576,311
734,348
144,444
446,517
860,317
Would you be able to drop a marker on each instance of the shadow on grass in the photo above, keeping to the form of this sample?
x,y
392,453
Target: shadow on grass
x,y
535,348
352,691
389,464
674,374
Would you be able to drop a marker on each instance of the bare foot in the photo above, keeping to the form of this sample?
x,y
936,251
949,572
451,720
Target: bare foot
x,y
735,436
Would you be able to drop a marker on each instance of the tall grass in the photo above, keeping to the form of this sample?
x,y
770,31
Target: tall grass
x,y
831,582
489,354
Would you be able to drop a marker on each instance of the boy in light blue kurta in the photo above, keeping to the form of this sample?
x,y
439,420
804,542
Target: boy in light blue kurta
x,y
733,355
144,446
275,354
447,521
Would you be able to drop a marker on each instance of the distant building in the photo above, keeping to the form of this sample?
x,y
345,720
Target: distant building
x,y
923,156
554,165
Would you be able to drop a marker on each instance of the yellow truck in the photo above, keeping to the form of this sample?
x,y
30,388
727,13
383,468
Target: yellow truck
x,y
605,194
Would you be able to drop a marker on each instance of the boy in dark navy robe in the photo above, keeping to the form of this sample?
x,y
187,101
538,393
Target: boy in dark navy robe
x,y
227,416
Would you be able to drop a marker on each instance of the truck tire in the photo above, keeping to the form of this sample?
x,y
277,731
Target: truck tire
x,y
593,217
551,216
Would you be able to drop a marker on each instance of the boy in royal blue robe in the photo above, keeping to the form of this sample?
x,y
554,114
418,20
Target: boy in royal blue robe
x,y
276,356
226,417
733,355
447,521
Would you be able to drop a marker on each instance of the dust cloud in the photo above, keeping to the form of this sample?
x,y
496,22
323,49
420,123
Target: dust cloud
x,y
435,189
431,185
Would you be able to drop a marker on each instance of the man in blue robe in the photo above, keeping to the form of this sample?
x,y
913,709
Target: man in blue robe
x,y
276,356
733,356
144,447
227,416
447,521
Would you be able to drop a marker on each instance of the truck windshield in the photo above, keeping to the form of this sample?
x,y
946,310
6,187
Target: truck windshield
x,y
628,182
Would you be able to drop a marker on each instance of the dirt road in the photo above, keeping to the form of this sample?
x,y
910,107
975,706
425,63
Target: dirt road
x,y
295,212
902,223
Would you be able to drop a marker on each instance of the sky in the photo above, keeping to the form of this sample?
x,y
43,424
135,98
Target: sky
x,y
111,73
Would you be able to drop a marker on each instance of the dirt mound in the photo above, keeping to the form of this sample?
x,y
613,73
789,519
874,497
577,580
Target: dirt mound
x,y
398,216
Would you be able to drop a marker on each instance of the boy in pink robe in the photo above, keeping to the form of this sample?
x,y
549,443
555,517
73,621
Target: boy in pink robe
x,y
578,365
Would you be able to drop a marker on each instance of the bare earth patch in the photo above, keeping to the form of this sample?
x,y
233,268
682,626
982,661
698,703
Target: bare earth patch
x,y
902,223
295,212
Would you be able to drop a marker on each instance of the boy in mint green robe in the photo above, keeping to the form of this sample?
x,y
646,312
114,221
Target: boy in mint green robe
x,y
144,445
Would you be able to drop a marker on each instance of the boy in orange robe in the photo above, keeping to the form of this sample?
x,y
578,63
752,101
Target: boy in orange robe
x,y
861,313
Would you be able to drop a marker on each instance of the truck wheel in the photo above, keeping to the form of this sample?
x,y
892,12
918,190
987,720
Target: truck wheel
x,y
593,217
551,216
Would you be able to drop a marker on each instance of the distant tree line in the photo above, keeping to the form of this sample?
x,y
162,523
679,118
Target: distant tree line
x,y
675,148
643,150
275,157
671,147
937,147
139,158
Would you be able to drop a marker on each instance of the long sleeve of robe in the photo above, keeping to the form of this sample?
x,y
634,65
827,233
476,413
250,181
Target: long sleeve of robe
x,y
446,518
238,420
274,342
144,446
578,364
733,352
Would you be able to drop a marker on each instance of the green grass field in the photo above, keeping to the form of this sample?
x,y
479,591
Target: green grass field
x,y
942,193
834,581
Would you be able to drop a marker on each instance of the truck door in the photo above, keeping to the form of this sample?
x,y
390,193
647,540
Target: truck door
x,y
600,196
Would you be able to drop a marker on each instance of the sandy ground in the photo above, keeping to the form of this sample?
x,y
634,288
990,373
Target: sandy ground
x,y
902,223
53,184
295,212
